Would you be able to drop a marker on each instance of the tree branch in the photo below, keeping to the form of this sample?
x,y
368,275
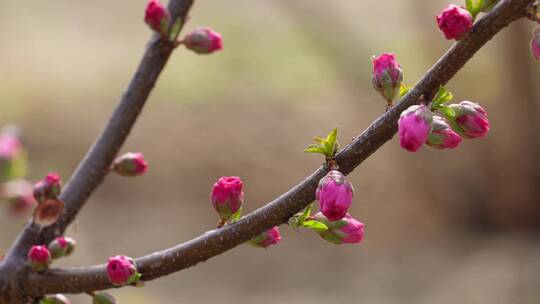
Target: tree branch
x,y
212,243
94,167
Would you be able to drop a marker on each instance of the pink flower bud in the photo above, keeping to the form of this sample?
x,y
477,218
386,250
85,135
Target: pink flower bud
x,y
455,22
387,76
157,17
471,120
19,195
122,270
130,164
39,258
535,43
103,298
345,231
55,299
414,127
442,136
10,146
61,247
48,188
227,196
267,238
335,194
203,40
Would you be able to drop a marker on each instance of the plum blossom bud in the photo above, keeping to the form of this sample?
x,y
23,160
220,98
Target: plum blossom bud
x,y
122,270
387,76
103,298
48,188
442,136
471,120
203,40
39,258
414,126
19,195
335,194
227,196
455,22
157,17
345,231
61,247
55,299
267,238
535,43
130,164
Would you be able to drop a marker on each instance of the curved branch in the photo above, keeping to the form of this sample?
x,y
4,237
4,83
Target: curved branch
x,y
94,167
212,243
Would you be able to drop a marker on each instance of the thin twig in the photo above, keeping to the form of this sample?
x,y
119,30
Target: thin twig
x,y
278,211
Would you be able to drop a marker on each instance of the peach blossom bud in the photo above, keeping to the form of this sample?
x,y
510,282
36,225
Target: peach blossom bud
x,y
157,17
334,194
455,22
203,41
387,76
345,231
122,270
414,126
227,196
130,164
267,238
39,258
48,188
61,247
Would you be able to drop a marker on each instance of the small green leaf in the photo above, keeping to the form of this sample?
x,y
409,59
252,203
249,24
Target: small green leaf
x,y
315,149
443,96
403,90
448,112
327,146
474,6
305,214
315,225
319,139
331,144
236,216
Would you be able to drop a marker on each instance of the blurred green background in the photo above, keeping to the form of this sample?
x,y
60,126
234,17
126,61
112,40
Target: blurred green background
x,y
442,226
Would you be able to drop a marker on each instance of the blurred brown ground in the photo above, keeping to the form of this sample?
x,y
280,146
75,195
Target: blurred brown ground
x,y
442,226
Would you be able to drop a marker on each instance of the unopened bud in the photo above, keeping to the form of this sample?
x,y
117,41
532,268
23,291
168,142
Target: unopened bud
x,y
227,196
442,136
387,76
61,247
122,270
267,238
334,194
103,298
39,258
414,126
130,164
345,231
203,41
55,299
157,17
471,120
48,188
455,22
